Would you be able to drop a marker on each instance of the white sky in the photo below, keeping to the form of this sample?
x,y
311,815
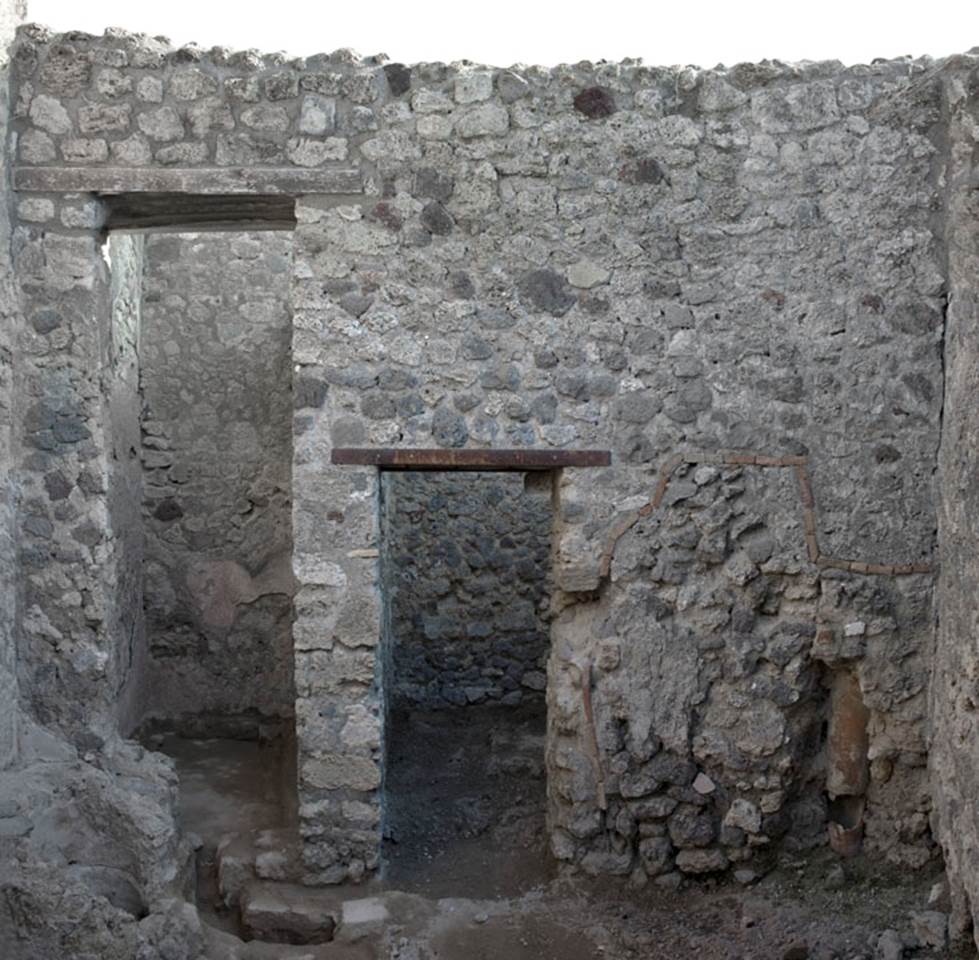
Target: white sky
x,y
502,32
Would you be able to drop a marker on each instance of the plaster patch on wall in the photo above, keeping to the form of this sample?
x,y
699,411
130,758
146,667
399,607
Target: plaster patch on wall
x,y
219,587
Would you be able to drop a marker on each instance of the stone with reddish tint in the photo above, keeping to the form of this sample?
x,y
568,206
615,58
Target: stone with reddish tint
x,y
703,784
595,102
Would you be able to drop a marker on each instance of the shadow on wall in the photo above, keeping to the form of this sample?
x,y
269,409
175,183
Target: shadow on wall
x,y
466,564
216,385
219,587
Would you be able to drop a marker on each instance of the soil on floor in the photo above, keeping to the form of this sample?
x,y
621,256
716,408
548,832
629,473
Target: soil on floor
x,y
468,875
465,800
229,786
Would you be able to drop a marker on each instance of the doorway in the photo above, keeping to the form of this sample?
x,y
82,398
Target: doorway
x,y
199,419
465,565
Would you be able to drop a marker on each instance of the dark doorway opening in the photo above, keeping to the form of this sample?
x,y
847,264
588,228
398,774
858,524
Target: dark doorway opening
x,y
465,567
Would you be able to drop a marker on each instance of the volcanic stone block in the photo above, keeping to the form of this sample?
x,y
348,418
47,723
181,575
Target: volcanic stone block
x,y
281,913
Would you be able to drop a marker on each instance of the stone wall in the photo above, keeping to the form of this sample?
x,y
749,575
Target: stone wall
x,y
735,266
69,555
954,694
656,262
121,365
11,13
465,560
217,454
75,825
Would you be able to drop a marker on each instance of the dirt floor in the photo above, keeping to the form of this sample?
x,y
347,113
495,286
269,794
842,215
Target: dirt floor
x,y
229,786
467,875
465,802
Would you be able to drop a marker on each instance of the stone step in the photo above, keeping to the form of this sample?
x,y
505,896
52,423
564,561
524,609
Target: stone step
x,y
220,945
278,855
363,919
262,854
235,866
287,921
287,913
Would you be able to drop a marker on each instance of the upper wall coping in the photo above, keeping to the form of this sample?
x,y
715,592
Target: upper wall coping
x,y
158,51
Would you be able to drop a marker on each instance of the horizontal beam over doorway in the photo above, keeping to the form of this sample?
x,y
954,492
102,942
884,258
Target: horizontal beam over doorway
x,y
186,212
439,459
290,181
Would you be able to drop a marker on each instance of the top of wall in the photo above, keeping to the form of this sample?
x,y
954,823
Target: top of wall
x,y
66,64
332,122
156,51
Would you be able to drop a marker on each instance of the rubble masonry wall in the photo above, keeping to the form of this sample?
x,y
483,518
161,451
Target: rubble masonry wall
x,y
10,15
658,261
467,557
954,697
217,457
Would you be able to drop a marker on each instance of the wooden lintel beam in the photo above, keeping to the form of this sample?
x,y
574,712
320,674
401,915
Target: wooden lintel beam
x,y
467,459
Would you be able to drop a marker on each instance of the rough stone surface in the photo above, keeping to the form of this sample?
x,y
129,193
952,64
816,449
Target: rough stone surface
x,y
11,321
701,861
954,697
656,261
466,557
125,486
931,928
99,868
277,913
217,407
889,946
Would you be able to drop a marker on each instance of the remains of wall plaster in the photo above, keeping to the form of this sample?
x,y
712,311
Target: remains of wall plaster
x,y
10,15
217,457
467,556
741,640
618,256
121,364
954,694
